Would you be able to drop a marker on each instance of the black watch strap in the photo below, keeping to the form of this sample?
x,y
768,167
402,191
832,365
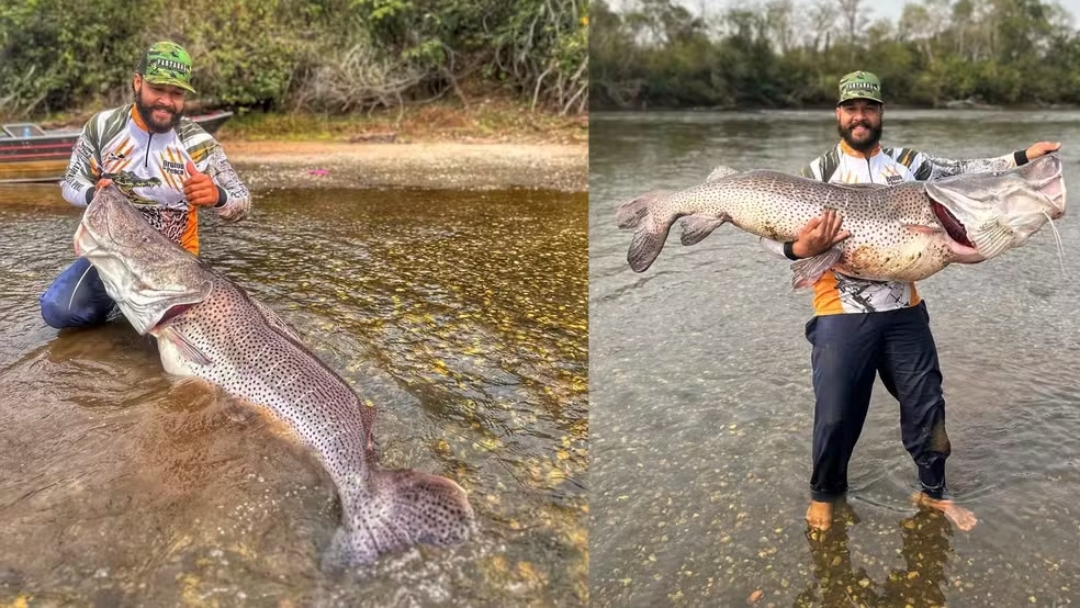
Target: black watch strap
x,y
223,197
789,250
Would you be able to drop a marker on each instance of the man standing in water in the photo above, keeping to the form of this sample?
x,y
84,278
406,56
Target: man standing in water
x,y
166,165
863,327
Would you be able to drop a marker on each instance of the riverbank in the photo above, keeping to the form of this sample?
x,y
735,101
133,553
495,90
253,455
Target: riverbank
x,y
437,165
488,143
488,118
485,142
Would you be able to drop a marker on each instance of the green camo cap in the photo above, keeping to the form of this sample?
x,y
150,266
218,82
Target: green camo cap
x,y
166,63
860,85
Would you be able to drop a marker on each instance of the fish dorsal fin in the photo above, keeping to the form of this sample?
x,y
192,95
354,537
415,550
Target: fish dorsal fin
x,y
720,173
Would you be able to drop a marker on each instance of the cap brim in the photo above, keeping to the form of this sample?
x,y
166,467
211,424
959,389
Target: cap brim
x,y
875,99
171,82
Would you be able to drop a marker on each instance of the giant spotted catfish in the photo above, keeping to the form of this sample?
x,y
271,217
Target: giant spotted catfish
x,y
903,232
208,327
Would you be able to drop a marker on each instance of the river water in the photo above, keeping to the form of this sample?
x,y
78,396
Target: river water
x,y
701,401
462,315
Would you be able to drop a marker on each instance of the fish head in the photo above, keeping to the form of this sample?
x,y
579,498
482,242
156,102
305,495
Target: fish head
x,y
149,277
994,211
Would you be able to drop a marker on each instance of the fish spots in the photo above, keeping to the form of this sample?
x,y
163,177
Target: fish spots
x,y
262,362
776,205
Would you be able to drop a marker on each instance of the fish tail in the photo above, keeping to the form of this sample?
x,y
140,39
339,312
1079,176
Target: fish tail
x,y
651,229
396,510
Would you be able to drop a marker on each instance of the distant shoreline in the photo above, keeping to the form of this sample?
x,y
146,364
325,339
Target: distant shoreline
x,y
823,107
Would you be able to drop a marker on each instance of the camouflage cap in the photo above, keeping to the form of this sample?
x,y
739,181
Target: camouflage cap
x,y
166,63
860,85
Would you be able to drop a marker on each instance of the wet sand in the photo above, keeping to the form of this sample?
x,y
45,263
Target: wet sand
x,y
439,165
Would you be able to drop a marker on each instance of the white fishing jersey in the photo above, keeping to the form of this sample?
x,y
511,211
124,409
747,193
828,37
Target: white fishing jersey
x,y
150,169
835,293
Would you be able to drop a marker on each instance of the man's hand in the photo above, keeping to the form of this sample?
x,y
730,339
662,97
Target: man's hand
x,y
199,189
102,183
819,235
1041,148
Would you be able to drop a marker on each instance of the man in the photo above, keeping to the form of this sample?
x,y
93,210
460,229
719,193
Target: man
x,y
862,327
166,165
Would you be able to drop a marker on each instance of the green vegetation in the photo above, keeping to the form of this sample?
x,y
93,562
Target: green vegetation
x,y
333,57
486,119
782,53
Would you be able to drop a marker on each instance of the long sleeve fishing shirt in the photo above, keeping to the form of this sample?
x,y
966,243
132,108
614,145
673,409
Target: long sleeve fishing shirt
x,y
150,169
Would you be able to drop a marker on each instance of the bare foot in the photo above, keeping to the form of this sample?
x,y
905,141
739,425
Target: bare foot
x,y
961,517
819,515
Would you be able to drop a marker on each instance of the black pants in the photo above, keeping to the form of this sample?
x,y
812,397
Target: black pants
x,y
847,351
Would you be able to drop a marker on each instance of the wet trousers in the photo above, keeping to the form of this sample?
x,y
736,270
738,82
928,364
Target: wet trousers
x,y
848,350
77,298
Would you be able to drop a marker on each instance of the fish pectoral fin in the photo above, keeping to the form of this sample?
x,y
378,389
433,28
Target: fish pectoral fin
x,y
696,227
808,271
184,346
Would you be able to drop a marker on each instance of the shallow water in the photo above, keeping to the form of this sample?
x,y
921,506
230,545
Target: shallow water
x,y
701,403
461,316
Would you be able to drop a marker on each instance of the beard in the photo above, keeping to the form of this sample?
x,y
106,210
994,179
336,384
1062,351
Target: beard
x,y
147,114
868,142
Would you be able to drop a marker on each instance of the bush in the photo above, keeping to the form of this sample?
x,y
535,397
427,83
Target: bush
x,y
330,55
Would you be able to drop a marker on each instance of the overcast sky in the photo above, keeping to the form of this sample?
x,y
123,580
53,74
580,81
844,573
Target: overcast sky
x,y
890,9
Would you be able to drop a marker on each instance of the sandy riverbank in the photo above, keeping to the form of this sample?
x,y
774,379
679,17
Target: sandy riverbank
x,y
466,166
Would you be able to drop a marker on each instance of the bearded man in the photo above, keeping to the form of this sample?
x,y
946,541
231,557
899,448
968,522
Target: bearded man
x,y
865,328
166,165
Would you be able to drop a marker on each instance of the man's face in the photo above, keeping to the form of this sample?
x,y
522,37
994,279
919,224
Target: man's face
x,y
859,122
160,105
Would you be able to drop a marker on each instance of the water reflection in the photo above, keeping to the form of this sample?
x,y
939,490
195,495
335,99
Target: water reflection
x,y
925,552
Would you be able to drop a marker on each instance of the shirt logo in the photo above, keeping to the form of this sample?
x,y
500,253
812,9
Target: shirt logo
x,y
172,167
891,175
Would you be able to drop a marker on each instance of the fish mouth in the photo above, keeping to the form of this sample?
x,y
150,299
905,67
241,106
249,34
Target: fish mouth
x,y
147,307
953,227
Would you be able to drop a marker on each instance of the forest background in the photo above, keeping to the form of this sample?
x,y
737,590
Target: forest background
x,y
304,66
652,54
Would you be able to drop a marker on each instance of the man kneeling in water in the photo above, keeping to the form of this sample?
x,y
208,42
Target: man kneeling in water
x,y
165,164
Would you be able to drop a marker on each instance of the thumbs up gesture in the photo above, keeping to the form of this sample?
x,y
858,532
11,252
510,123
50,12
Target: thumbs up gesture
x,y
199,189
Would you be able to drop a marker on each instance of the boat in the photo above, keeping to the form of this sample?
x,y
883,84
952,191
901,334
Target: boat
x,y
29,153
